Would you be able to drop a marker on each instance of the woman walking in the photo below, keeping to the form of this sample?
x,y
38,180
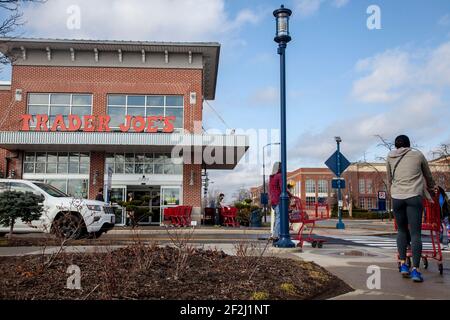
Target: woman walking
x,y
407,172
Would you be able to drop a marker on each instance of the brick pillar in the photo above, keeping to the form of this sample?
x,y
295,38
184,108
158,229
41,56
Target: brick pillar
x,y
96,173
192,194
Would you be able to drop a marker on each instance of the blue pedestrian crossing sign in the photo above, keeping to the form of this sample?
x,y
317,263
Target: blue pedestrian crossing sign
x,y
332,163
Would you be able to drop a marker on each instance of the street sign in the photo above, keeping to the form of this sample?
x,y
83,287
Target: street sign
x,y
264,199
381,195
333,165
334,183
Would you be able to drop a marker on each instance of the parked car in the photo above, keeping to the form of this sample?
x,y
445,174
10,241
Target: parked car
x,y
65,216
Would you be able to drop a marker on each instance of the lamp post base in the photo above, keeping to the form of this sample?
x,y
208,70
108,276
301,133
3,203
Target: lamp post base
x,y
284,243
340,225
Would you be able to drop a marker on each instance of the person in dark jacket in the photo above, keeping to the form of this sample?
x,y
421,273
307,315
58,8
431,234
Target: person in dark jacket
x,y
445,212
99,196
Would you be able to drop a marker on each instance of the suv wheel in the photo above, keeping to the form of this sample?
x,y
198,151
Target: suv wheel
x,y
68,226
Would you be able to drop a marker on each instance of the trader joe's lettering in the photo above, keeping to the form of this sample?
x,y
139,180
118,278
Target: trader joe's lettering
x,y
90,123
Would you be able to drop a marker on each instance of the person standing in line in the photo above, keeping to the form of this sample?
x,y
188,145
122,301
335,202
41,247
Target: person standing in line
x,y
407,172
99,196
220,204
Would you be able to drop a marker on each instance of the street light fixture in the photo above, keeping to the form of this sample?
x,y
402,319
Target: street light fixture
x,y
282,37
264,178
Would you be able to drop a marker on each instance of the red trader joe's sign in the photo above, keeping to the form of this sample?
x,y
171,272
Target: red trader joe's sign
x,y
91,123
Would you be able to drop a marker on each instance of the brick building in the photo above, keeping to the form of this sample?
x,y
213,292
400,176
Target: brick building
x,y
125,116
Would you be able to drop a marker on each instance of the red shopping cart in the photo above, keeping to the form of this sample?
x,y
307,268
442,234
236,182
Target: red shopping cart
x,y
431,222
307,215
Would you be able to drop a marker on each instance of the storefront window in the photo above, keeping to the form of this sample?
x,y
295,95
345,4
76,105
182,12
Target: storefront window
x,y
140,163
56,162
121,105
52,104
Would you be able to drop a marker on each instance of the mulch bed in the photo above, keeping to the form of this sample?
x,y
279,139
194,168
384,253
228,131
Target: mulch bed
x,y
152,272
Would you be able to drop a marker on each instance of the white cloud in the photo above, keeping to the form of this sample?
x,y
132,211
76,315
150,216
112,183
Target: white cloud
x,y
387,73
391,75
166,20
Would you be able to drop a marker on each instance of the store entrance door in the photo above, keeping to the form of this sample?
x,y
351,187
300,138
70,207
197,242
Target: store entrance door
x,y
144,203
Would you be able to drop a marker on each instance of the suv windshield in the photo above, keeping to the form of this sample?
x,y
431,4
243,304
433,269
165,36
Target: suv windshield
x,y
51,190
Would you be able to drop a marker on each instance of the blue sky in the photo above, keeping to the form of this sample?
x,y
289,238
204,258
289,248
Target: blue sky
x,y
343,79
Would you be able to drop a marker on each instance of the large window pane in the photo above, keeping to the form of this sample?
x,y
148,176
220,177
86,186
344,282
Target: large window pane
x,y
84,168
174,101
35,110
40,168
136,100
51,167
129,168
63,168
117,115
119,167
136,111
81,100
36,98
29,157
52,157
148,168
28,168
178,113
57,110
41,157
60,99
81,111
155,111
117,100
139,168
155,101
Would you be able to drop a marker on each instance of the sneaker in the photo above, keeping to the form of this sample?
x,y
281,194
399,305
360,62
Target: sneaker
x,y
404,270
416,276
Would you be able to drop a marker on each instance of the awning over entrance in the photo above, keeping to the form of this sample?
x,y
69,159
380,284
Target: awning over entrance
x,y
212,151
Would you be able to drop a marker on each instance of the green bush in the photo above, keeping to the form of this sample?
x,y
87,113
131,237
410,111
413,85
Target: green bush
x,y
19,205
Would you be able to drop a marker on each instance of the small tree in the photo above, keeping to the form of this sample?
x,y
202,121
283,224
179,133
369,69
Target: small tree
x,y
19,205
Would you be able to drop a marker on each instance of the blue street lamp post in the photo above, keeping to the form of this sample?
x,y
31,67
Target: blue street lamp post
x,y
340,224
282,38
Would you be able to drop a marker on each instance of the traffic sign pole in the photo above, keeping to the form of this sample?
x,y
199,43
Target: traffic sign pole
x,y
338,164
340,225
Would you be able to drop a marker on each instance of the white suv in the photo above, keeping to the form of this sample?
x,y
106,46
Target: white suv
x,y
63,215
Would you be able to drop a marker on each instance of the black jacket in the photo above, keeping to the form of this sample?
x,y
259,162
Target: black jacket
x,y
445,207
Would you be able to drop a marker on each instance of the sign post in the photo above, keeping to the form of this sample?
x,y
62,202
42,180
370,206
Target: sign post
x,y
337,164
